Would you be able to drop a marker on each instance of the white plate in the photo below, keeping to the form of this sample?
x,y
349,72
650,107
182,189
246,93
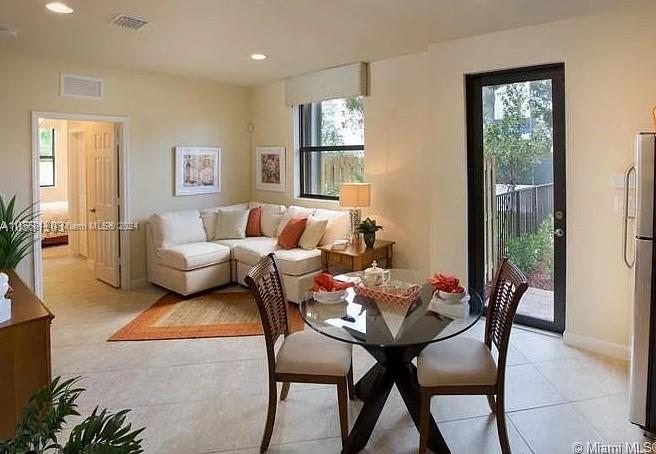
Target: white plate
x,y
451,297
437,298
330,297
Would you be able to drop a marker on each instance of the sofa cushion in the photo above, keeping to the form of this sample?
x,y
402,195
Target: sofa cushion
x,y
296,262
271,216
338,228
293,212
292,232
254,225
231,224
177,227
236,242
209,216
293,262
314,230
192,256
250,252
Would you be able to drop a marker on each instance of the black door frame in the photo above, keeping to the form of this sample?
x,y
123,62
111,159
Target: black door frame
x,y
475,162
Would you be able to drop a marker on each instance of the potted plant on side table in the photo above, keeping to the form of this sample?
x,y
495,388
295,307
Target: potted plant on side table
x,y
368,229
17,240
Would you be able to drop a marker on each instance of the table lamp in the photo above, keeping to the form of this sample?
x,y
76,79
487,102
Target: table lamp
x,y
355,196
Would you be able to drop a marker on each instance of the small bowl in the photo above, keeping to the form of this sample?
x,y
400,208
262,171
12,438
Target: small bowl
x,y
451,297
330,297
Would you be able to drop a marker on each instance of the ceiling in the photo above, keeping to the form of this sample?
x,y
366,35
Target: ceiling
x,y
213,39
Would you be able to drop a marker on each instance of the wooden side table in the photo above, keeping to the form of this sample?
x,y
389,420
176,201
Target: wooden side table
x,y
24,354
356,257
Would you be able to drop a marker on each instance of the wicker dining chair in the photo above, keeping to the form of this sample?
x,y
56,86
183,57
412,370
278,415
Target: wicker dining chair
x,y
304,356
465,366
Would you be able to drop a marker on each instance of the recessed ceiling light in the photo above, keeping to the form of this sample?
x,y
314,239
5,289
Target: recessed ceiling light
x,y
58,7
258,56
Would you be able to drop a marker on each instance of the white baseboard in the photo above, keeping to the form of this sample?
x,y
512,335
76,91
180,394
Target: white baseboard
x,y
597,345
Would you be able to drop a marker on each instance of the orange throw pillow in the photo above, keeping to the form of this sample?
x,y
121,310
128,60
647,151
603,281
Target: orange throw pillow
x,y
292,232
254,225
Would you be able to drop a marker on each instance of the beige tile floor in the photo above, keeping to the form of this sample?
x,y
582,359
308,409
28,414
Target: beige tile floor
x,y
209,395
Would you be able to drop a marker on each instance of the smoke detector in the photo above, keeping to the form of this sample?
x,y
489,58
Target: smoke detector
x,y
130,22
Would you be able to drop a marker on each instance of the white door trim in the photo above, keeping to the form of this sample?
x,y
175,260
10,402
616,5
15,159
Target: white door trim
x,y
124,208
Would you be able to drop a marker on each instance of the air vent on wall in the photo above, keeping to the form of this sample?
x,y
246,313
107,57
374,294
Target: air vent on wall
x,y
131,22
80,86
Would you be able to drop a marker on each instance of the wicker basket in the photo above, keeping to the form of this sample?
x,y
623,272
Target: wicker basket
x,y
381,296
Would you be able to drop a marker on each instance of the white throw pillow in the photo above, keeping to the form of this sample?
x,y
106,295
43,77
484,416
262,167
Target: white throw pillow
x,y
338,228
314,230
293,212
231,224
210,215
271,216
177,227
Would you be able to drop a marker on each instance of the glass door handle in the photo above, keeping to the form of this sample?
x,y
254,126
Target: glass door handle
x,y
559,233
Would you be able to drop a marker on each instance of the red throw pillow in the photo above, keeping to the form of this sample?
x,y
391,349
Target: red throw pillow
x,y
254,225
292,232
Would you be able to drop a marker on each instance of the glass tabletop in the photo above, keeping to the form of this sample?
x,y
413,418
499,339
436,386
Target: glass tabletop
x,y
361,320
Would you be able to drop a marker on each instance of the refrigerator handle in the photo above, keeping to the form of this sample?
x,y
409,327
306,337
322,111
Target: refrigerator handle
x,y
625,227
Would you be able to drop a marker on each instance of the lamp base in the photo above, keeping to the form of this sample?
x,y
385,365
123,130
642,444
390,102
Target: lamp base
x,y
355,216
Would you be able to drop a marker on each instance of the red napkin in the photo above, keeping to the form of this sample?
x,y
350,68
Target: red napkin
x,y
445,283
325,282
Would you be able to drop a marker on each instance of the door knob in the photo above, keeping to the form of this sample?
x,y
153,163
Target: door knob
x,y
92,210
559,215
559,233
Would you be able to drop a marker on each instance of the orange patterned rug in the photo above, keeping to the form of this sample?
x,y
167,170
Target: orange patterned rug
x,y
208,314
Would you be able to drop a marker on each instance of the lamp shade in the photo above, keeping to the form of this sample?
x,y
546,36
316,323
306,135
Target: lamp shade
x,y
355,195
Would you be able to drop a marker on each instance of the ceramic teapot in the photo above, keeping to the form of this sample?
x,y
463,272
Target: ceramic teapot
x,y
375,276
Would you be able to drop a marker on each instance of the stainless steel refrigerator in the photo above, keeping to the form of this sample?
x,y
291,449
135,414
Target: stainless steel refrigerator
x,y
643,354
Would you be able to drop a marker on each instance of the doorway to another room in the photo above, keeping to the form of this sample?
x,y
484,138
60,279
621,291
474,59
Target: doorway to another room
x,y
77,192
516,185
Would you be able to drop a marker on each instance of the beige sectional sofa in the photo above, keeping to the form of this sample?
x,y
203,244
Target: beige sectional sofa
x,y
184,256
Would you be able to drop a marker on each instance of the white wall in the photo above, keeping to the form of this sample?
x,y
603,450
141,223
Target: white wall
x,y
610,91
163,111
416,150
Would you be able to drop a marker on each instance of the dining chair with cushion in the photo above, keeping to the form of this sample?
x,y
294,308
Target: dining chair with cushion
x,y
304,356
465,366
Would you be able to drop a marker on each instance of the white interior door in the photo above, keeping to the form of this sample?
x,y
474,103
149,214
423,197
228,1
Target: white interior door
x,y
104,206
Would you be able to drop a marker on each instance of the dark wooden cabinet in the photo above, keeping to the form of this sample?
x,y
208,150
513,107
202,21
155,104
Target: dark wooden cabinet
x,y
24,354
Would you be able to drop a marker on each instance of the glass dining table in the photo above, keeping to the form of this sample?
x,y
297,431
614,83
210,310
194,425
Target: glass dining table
x,y
394,334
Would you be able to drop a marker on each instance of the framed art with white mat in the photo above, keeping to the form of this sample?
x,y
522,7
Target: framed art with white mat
x,y
197,170
270,168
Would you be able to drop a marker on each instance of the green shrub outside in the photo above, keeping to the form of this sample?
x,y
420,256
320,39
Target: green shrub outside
x,y
529,251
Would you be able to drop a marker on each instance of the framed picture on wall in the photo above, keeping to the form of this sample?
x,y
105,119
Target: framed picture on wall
x,y
197,170
270,168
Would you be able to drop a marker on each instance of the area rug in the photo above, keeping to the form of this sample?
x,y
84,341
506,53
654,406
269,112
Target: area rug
x,y
209,314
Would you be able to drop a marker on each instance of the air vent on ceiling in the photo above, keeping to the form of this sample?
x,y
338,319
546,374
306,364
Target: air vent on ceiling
x,y
131,22
80,86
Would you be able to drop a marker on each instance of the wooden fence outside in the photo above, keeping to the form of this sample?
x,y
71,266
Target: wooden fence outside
x,y
521,212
